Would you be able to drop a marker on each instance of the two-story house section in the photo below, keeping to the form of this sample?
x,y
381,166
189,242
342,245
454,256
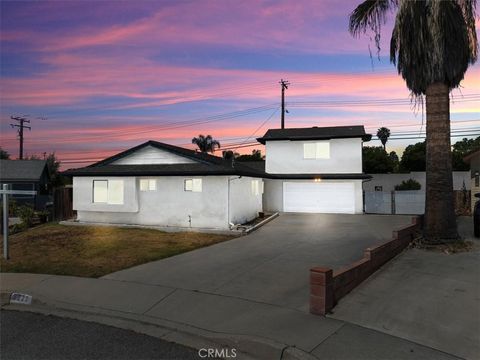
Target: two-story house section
x,y
317,170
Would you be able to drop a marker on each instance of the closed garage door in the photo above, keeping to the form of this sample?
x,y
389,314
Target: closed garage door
x,y
319,197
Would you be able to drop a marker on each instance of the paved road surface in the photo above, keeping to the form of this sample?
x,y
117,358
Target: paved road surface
x,y
27,335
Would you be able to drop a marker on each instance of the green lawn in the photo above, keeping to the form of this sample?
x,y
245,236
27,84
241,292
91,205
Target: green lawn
x,y
94,251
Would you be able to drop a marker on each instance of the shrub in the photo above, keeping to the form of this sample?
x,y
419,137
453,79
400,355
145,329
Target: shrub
x,y
26,214
409,184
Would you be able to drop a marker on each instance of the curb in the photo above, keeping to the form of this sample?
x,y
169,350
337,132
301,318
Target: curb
x,y
247,347
261,223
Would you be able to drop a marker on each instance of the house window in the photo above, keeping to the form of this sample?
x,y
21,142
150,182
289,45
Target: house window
x,y
317,150
108,191
257,187
194,185
148,184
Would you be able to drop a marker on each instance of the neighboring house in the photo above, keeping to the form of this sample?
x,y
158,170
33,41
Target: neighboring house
x,y
27,175
164,185
316,170
473,158
156,184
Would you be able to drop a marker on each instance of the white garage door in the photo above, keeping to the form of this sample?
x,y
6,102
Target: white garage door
x,y
319,197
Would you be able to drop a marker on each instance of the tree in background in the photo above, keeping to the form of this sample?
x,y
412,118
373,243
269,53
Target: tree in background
x,y
206,144
462,148
432,44
413,158
383,134
4,155
255,156
377,161
53,165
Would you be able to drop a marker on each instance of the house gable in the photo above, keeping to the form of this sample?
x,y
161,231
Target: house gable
x,y
150,155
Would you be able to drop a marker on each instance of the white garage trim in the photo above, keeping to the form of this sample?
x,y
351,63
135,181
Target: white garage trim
x,y
319,197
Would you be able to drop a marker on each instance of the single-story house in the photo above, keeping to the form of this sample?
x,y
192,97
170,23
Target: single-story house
x,y
27,175
159,184
306,170
473,158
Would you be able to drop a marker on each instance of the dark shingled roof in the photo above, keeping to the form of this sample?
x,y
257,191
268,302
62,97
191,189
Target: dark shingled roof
x,y
22,170
316,133
206,165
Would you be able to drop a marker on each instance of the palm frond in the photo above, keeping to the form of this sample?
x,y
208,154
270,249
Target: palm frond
x,y
370,16
432,42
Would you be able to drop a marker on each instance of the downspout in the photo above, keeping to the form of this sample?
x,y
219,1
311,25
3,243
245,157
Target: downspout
x,y
231,225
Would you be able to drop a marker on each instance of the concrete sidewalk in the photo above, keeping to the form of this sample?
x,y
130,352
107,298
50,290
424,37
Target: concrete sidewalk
x,y
428,297
198,319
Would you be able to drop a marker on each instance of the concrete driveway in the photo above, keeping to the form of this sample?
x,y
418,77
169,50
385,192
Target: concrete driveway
x,y
270,265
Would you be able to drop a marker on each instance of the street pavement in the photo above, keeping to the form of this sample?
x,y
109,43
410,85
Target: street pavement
x,y
29,336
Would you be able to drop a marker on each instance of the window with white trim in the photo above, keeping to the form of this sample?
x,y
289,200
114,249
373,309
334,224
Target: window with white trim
x,y
194,185
108,192
316,150
257,187
148,184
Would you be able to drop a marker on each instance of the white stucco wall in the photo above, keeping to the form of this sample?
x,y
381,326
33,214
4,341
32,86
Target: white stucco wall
x,y
244,205
273,195
388,181
287,157
169,205
83,195
152,155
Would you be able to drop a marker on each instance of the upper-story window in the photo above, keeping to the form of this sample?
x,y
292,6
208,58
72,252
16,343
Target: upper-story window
x,y
148,184
316,150
108,192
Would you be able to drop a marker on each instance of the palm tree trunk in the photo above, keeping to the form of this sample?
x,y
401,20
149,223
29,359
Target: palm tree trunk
x,y
440,222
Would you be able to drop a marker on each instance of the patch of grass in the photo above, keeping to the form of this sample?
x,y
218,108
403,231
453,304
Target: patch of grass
x,y
94,251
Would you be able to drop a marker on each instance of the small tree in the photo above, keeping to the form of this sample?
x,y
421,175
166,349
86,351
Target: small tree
x,y
383,134
4,155
409,184
53,167
206,144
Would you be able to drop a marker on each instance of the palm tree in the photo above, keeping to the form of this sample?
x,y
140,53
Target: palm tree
x,y
433,43
383,134
206,143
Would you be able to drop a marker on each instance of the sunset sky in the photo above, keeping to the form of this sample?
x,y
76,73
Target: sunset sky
x,y
99,77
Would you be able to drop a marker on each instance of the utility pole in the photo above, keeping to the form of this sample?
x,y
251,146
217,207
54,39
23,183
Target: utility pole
x,y
21,125
284,84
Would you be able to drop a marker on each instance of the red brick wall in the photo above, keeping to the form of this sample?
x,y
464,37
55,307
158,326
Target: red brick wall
x,y
328,286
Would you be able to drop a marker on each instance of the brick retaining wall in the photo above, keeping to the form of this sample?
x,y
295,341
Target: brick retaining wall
x,y
328,286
